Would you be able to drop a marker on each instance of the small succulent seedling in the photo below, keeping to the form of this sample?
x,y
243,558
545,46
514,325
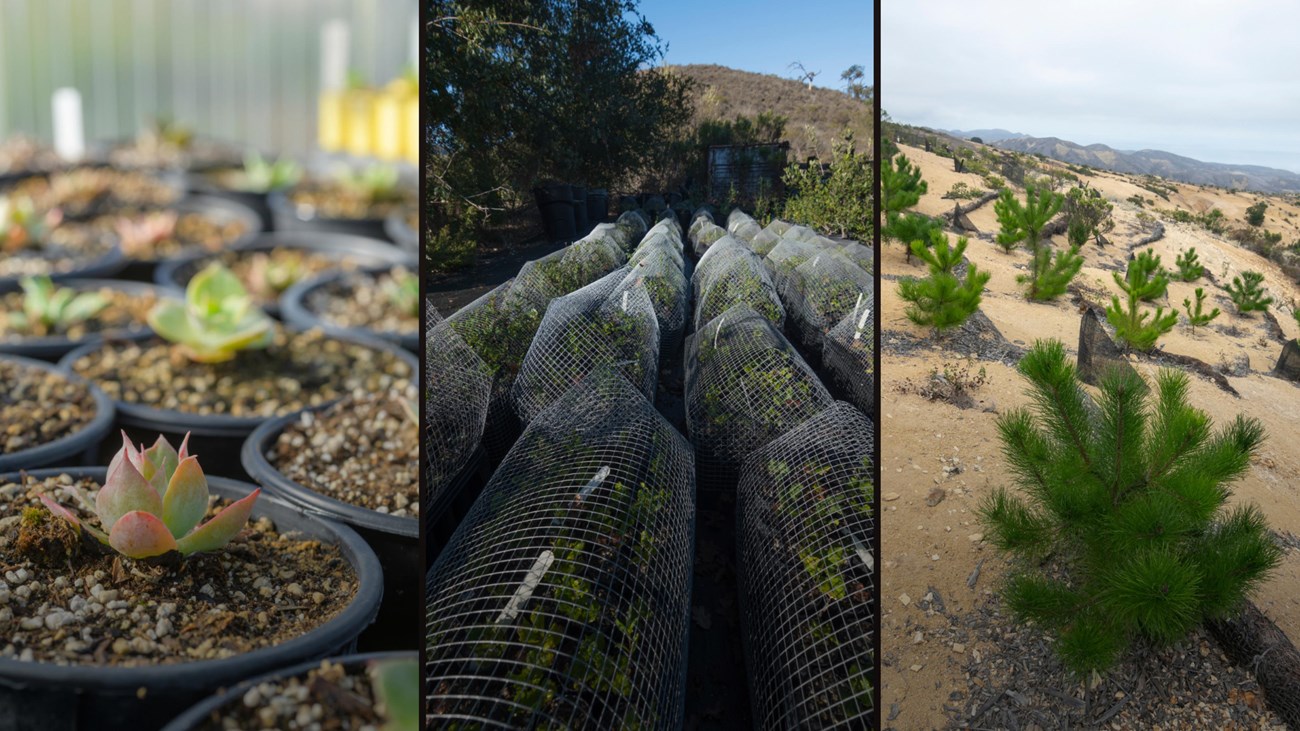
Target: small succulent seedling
x,y
403,291
20,224
152,501
217,319
374,183
262,175
396,685
270,274
47,308
139,236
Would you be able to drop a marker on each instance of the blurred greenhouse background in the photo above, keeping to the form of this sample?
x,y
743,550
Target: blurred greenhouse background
x,y
239,70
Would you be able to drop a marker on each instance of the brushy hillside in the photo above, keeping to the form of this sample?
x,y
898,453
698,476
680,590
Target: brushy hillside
x,y
816,116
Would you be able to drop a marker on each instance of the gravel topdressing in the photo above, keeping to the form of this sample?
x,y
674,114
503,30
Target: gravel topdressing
x,y
364,451
297,371
328,697
38,407
125,310
63,601
361,301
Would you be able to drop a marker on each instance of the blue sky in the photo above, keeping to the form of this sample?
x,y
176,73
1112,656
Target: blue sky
x,y
767,36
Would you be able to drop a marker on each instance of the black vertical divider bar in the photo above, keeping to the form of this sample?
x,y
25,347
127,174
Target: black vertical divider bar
x,y
422,79
877,244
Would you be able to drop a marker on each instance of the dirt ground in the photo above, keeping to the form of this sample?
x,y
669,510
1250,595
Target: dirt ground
x,y
939,460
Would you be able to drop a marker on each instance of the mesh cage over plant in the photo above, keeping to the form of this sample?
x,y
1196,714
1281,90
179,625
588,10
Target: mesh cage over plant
x,y
705,236
778,227
745,386
457,393
600,325
658,241
498,327
848,356
665,283
765,241
569,269
821,291
738,280
562,599
723,251
699,219
742,226
860,254
806,573
787,256
800,233
634,222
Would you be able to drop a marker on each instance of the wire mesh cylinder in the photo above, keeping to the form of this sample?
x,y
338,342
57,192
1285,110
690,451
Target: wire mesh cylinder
x,y
745,386
665,283
457,391
862,255
600,325
788,256
562,600
821,291
848,357
742,226
705,236
739,280
806,573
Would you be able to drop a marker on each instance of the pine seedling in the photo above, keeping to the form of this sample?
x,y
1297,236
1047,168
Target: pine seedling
x,y
1024,223
1155,276
910,227
1196,317
941,300
1134,327
1247,293
901,185
1052,274
1189,265
1121,531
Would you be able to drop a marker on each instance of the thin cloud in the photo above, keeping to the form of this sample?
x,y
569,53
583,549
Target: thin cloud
x,y
1214,81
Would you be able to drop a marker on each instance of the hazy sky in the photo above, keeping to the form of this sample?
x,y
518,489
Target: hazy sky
x,y
766,36
1216,81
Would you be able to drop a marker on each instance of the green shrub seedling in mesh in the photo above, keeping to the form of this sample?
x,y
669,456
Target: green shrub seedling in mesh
x,y
1120,531
738,280
807,574
1247,293
1196,315
457,394
822,291
1189,265
942,301
848,355
562,600
1134,327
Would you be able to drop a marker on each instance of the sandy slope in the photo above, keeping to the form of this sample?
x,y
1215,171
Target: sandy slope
x,y
937,547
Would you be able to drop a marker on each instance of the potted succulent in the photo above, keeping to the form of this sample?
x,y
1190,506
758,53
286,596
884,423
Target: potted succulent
x,y
379,691
87,191
33,243
349,202
165,144
250,184
221,366
46,320
357,462
47,415
198,223
269,264
133,591
383,304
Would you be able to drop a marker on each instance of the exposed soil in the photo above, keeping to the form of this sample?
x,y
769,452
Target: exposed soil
x,y
125,311
77,605
328,697
90,191
64,249
38,407
939,460
319,199
364,451
298,370
363,301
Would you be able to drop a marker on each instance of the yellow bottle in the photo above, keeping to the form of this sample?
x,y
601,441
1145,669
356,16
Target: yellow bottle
x,y
331,123
359,131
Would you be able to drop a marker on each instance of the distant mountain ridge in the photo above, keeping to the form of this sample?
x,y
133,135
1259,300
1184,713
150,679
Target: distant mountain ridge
x,y
988,136
1157,162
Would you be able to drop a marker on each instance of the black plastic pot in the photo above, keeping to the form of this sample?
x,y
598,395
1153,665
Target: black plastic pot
x,y
396,540
81,446
597,206
219,209
54,347
42,696
287,217
293,309
400,232
198,714
104,266
218,436
580,221
559,215
368,253
201,182
628,203
444,514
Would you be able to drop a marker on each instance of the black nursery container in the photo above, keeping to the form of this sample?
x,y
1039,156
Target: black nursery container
x,y
399,231
285,216
46,697
220,209
52,348
201,183
296,313
219,436
580,220
597,206
82,445
559,211
394,539
212,707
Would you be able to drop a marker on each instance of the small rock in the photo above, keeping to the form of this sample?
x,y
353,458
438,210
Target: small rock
x,y
890,497
936,496
915,668
958,647
976,537
918,638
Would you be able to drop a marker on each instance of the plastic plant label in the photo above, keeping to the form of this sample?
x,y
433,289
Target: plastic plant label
x,y
69,132
862,322
526,589
600,476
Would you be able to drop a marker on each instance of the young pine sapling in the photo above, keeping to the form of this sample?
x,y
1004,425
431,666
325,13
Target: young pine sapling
x,y
1189,265
1247,293
1134,327
1196,316
941,300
